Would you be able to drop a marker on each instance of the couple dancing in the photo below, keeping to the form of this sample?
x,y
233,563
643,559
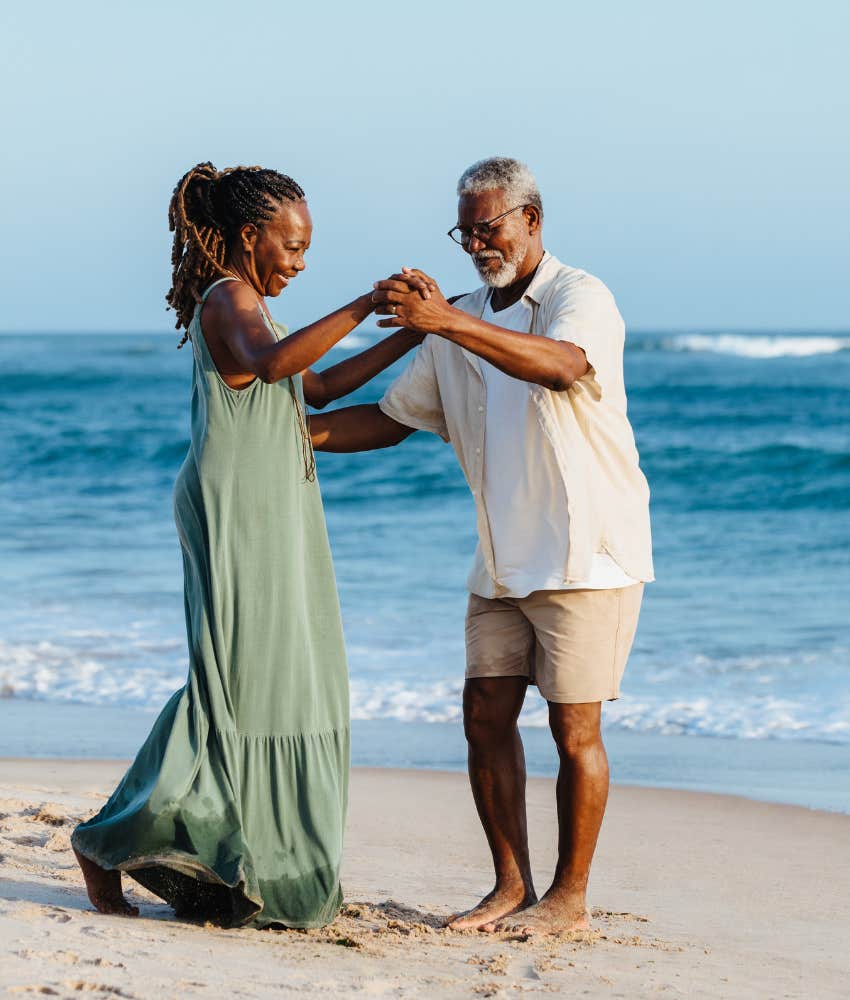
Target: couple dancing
x,y
234,808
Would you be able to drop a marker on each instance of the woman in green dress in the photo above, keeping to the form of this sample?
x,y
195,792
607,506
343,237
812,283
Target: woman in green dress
x,y
234,808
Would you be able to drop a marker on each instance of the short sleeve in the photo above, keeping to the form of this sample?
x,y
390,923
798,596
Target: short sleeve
x,y
584,313
413,399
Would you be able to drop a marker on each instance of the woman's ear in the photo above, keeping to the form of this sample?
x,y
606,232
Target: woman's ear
x,y
248,234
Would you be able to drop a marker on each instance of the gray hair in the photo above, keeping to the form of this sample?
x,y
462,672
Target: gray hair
x,y
504,174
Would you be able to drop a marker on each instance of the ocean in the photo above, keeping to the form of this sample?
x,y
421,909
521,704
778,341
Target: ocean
x,y
745,441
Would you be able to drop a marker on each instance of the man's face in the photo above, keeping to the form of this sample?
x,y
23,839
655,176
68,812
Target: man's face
x,y
498,258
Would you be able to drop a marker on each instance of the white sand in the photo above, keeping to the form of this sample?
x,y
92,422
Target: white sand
x,y
694,895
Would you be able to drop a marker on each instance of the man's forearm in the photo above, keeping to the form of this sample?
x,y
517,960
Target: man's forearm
x,y
356,428
552,363
346,376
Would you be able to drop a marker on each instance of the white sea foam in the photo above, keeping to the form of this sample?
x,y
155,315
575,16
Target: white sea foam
x,y
355,342
757,346
741,697
760,715
110,672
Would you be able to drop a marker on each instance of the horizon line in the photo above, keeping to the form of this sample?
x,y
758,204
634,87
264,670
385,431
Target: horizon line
x,y
640,331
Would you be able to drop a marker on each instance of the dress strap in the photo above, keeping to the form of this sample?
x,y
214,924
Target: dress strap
x,y
266,318
218,282
270,323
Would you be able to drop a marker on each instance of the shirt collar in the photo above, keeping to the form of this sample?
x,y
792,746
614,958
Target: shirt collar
x,y
478,299
541,278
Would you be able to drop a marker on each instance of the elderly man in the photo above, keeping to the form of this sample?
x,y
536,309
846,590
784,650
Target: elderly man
x,y
524,377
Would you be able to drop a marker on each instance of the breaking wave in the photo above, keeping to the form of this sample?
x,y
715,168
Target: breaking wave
x,y
757,345
730,697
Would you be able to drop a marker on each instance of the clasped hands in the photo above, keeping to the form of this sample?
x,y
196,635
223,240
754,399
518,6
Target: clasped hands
x,y
412,299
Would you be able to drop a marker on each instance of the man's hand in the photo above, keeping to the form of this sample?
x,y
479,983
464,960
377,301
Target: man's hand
x,y
526,356
394,297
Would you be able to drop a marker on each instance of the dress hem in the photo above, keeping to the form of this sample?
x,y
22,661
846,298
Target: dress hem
x,y
186,865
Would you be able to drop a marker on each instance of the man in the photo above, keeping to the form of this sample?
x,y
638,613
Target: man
x,y
524,378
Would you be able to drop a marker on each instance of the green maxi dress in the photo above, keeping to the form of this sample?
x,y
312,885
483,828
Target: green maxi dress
x,y
234,808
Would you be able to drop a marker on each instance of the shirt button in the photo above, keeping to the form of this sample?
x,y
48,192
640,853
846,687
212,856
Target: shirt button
x,y
477,451
480,409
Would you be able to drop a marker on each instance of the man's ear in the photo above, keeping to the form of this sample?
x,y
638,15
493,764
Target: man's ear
x,y
248,234
533,218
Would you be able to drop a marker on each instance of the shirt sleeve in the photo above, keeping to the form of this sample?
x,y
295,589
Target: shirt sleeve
x,y
413,399
584,313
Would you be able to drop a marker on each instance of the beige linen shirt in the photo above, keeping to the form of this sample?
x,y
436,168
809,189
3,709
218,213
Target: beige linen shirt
x,y
442,390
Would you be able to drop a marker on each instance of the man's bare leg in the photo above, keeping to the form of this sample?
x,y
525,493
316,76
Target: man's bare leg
x,y
104,888
582,793
491,706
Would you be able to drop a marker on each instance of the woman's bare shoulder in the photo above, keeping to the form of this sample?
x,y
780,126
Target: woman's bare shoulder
x,y
229,304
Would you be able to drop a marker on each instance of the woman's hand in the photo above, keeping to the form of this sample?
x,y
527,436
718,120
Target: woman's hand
x,y
395,297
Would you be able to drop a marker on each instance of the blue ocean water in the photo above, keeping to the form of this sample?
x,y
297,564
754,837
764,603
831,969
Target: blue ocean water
x,y
745,440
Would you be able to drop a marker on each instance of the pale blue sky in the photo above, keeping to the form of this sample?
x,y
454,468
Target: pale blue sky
x,y
693,155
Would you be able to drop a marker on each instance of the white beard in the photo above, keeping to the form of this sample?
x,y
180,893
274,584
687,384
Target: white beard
x,y
504,275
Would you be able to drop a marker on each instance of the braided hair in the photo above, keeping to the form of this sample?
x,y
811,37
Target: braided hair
x,y
207,210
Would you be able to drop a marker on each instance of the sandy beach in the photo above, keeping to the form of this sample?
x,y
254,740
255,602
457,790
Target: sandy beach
x,y
693,895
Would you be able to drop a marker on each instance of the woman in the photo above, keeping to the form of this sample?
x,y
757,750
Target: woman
x,y
235,805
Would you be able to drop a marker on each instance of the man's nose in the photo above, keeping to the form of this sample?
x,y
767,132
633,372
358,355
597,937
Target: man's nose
x,y
475,244
300,264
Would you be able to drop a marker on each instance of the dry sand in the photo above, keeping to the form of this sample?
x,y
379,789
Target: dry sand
x,y
693,895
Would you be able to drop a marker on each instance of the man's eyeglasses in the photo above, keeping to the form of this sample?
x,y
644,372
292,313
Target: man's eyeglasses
x,y
482,231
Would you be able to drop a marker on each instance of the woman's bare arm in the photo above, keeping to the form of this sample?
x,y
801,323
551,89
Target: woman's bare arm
x,y
232,319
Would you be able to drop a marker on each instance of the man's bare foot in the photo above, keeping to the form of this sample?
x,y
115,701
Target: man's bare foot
x,y
501,902
552,915
104,888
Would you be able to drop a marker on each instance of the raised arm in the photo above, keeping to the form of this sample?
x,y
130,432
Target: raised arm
x,y
233,320
356,428
321,388
551,363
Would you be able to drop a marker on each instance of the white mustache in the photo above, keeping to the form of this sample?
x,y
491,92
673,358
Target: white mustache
x,y
488,255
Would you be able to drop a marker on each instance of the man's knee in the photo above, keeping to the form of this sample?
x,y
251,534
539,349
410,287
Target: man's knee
x,y
575,728
491,707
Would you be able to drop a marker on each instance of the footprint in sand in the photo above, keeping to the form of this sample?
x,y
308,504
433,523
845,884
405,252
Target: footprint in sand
x,y
44,814
44,990
81,986
614,915
29,839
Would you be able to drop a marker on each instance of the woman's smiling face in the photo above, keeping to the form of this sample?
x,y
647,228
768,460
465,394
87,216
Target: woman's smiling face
x,y
278,247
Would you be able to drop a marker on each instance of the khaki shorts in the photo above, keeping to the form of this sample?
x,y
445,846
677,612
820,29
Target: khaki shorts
x,y
573,644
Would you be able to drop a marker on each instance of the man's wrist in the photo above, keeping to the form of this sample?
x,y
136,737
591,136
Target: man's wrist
x,y
450,322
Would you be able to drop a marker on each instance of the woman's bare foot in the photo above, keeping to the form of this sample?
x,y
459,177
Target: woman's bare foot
x,y
104,888
552,915
501,902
